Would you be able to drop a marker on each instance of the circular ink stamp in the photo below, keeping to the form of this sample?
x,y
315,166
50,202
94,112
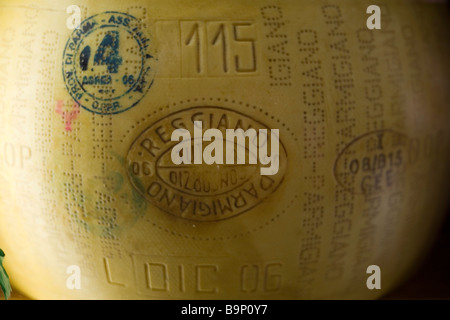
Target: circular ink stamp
x,y
375,162
108,63
202,192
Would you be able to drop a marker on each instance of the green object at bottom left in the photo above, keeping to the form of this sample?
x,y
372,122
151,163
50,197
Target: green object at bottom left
x,y
4,279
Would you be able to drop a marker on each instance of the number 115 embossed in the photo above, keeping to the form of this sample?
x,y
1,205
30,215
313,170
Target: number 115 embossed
x,y
194,49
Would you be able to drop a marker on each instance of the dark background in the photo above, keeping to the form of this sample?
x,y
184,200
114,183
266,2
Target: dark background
x,y
432,280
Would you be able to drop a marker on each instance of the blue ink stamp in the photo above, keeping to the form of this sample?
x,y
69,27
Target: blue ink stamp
x,y
108,64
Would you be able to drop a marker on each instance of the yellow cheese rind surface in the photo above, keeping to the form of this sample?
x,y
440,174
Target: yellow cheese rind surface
x,y
364,134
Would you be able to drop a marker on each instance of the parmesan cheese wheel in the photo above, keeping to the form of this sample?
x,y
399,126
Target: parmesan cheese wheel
x,y
92,205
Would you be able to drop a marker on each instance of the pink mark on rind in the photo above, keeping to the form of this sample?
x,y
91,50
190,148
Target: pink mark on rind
x,y
68,116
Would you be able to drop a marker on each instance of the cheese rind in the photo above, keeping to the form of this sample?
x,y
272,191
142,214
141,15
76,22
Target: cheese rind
x,y
87,190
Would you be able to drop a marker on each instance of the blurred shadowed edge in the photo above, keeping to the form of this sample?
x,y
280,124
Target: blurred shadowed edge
x,y
432,280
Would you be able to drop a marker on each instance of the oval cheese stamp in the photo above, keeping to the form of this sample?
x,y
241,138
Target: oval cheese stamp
x,y
225,164
374,162
108,64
